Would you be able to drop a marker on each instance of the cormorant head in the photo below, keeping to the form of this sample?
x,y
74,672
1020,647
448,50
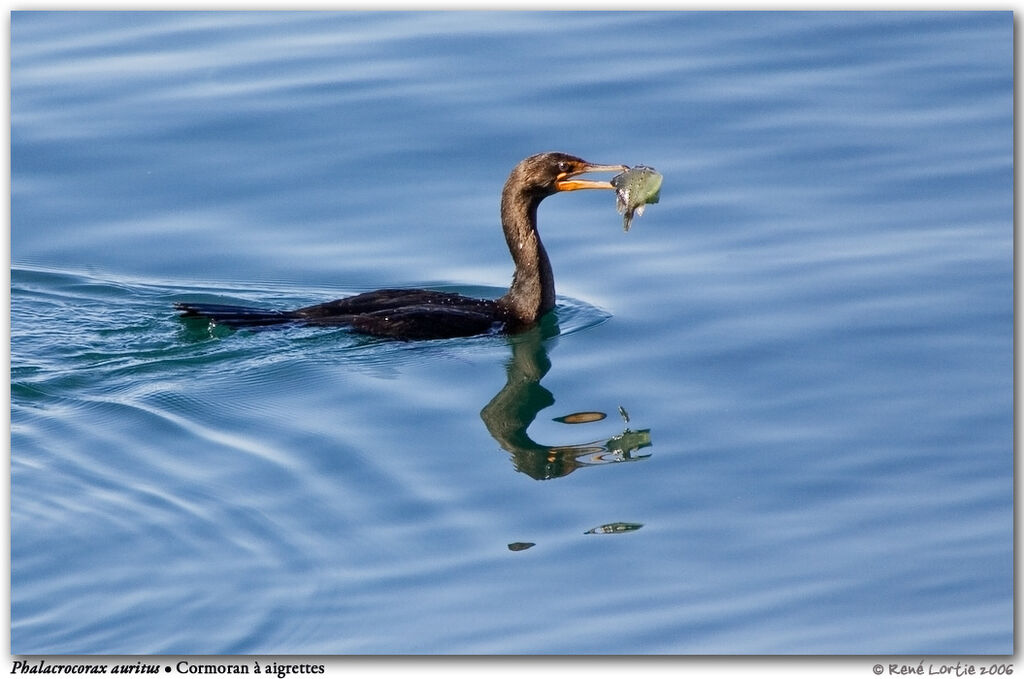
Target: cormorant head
x,y
547,173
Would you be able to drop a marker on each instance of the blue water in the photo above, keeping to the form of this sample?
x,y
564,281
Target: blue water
x,y
810,335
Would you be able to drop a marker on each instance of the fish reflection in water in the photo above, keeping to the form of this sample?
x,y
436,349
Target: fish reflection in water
x,y
514,408
620,527
619,448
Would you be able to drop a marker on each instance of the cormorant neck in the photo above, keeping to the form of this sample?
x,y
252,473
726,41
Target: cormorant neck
x,y
532,293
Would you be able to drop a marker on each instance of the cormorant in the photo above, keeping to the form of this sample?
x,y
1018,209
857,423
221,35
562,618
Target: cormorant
x,y
430,314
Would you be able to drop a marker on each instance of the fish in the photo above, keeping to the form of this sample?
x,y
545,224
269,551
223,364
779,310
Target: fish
x,y
635,189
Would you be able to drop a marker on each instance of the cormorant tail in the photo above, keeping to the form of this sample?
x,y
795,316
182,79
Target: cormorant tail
x,y
234,316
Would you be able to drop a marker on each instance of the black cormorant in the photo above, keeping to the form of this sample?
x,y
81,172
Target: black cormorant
x,y
430,314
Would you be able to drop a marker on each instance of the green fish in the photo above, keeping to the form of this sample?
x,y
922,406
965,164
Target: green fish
x,y
636,188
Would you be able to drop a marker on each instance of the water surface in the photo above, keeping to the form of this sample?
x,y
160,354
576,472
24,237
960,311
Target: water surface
x,y
810,335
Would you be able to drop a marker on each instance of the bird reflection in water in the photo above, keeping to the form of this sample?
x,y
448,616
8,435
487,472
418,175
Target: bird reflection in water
x,y
511,412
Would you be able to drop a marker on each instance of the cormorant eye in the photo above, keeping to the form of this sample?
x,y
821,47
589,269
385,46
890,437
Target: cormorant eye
x,y
564,166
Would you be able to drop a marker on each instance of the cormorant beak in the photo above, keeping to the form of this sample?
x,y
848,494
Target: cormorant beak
x,y
565,181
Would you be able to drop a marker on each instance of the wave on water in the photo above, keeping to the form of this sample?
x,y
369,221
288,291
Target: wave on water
x,y
74,324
